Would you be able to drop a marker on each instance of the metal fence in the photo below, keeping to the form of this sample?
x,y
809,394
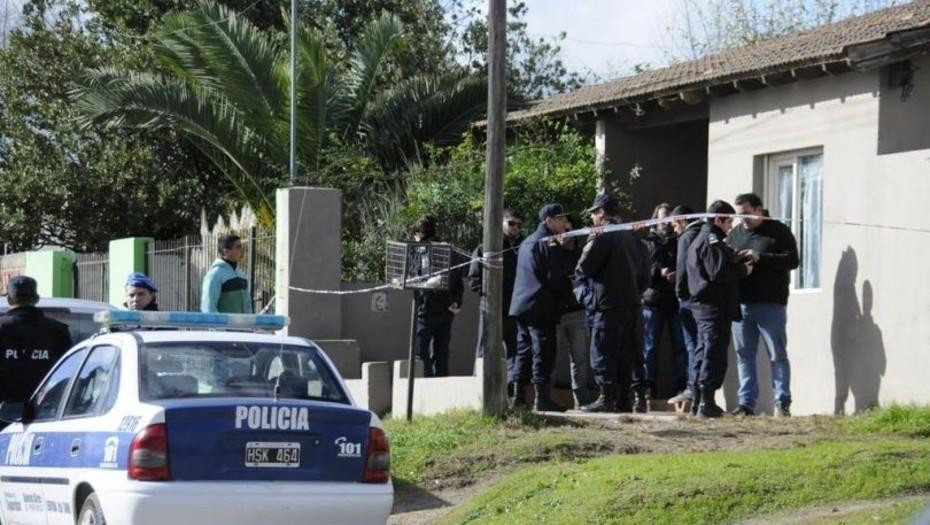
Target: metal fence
x,y
92,276
179,265
11,265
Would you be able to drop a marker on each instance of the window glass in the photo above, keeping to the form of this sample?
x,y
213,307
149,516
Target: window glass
x,y
236,369
92,382
50,395
795,194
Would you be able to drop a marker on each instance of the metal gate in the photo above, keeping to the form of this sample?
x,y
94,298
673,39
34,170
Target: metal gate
x,y
178,267
92,276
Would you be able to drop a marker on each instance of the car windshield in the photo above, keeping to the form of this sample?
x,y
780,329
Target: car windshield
x,y
192,369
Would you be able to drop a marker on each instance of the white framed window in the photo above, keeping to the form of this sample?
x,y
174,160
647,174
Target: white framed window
x,y
794,192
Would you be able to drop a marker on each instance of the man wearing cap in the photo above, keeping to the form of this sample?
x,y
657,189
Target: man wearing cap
x,y
30,343
140,292
613,265
541,290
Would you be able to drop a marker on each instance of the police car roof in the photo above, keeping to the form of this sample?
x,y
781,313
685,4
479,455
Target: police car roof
x,y
162,336
82,306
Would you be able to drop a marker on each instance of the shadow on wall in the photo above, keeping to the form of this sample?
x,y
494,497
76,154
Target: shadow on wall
x,y
856,341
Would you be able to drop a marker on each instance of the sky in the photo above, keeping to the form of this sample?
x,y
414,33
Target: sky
x,y
608,37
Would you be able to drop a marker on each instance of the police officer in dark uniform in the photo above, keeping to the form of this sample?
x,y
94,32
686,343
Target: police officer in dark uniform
x,y
542,288
613,266
436,309
30,342
512,237
714,271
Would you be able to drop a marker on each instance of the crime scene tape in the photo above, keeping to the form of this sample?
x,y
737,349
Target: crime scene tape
x,y
491,259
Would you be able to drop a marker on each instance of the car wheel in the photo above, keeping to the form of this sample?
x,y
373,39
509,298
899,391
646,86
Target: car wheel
x,y
91,513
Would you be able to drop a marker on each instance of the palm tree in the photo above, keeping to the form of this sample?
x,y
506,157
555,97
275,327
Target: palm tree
x,y
226,84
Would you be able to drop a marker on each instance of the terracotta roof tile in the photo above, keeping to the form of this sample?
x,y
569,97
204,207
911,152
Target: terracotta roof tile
x,y
814,46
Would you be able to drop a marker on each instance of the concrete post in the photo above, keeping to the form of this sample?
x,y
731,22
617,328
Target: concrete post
x,y
53,270
309,255
126,256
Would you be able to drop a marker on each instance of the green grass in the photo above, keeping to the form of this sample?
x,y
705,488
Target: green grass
x,y
897,419
713,487
416,445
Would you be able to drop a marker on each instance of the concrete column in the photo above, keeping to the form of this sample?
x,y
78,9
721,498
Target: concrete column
x,y
53,270
309,255
126,256
600,151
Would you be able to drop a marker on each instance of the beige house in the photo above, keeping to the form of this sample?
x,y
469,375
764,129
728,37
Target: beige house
x,y
832,128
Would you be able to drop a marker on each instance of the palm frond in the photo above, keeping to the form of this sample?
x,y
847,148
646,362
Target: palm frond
x,y
423,109
382,37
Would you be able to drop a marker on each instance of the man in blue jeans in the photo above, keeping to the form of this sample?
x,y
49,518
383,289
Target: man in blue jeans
x,y
686,231
772,248
660,304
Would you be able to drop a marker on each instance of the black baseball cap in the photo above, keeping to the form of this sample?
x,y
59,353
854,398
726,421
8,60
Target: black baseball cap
x,y
604,201
551,210
22,287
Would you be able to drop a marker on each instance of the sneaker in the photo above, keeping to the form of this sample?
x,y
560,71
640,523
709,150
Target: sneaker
x,y
681,397
743,410
782,410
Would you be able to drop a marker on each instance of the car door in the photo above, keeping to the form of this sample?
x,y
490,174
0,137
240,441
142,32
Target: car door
x,y
84,438
24,472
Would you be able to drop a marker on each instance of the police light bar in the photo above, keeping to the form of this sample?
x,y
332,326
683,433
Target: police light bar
x,y
191,320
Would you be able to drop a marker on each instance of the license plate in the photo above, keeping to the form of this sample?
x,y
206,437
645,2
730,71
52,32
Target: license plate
x,y
268,454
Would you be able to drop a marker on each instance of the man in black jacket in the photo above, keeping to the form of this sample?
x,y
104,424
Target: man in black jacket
x,y
714,272
687,231
435,308
611,266
30,342
541,290
772,248
660,304
510,246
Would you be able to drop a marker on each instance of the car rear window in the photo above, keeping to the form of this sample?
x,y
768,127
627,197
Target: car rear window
x,y
188,369
81,325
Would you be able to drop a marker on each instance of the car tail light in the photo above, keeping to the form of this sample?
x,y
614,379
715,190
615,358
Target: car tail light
x,y
378,462
148,454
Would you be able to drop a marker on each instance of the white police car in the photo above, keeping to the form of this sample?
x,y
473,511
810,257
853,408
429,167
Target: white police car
x,y
174,426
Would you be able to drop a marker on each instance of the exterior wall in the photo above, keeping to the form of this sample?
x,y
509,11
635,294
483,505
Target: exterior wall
x,y
866,325
126,256
672,159
385,335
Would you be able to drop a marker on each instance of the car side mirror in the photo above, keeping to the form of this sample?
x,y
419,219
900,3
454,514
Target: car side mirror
x,y
12,411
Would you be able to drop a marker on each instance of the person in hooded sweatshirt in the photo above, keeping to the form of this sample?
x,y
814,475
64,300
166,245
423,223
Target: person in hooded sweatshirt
x,y
31,342
141,292
225,287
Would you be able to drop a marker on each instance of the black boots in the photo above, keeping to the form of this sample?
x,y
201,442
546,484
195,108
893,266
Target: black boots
x,y
518,397
604,402
544,403
708,407
639,401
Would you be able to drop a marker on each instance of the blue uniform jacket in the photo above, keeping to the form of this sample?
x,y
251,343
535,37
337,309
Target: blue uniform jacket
x,y
542,288
713,276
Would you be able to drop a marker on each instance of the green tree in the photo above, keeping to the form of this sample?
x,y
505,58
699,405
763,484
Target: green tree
x,y
227,93
66,186
535,67
545,162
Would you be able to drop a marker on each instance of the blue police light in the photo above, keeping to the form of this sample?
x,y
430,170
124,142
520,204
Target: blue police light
x,y
191,320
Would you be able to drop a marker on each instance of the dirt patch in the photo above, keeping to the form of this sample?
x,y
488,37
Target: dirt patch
x,y
834,513
454,479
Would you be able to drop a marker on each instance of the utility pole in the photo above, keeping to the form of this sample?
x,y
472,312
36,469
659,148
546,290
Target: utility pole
x,y
493,380
293,153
